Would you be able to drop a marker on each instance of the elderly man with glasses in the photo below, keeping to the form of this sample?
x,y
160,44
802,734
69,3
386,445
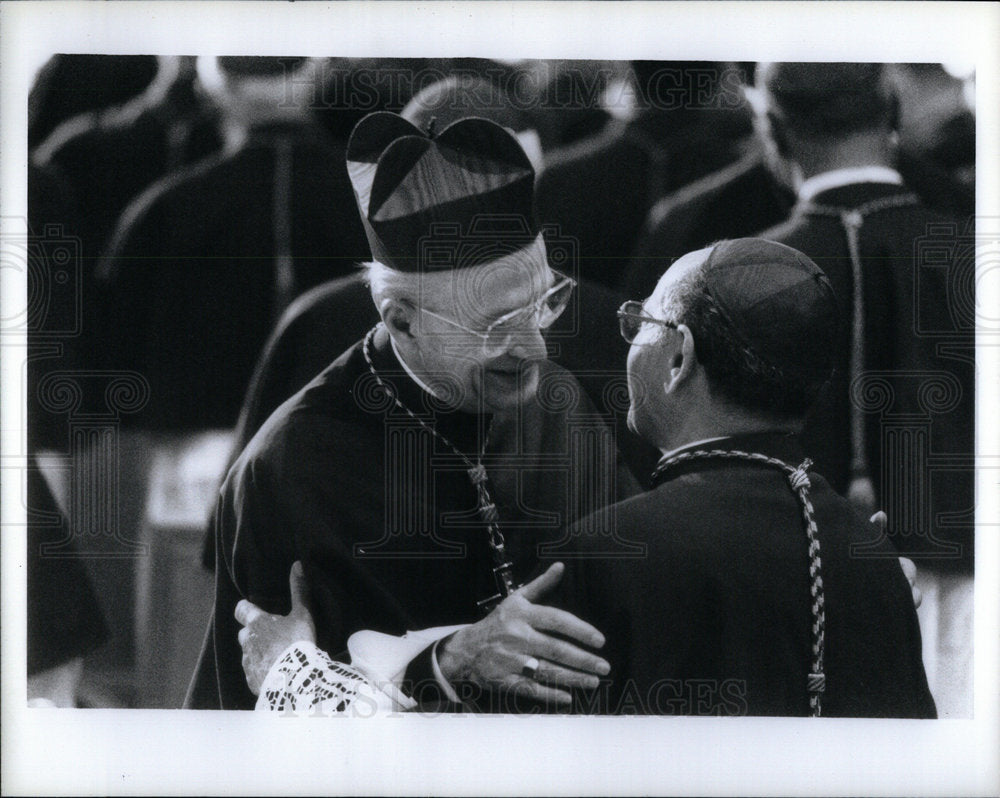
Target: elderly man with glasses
x,y
418,478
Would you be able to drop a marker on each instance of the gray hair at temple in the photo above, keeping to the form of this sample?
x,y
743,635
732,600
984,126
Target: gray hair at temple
x,y
386,283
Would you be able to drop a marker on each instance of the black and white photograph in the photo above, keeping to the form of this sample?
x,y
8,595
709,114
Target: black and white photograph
x,y
488,398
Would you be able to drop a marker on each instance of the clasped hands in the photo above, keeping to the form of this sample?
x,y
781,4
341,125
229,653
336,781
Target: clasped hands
x,y
512,649
492,654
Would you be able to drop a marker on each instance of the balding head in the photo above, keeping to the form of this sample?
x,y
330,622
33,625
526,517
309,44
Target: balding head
x,y
745,340
460,96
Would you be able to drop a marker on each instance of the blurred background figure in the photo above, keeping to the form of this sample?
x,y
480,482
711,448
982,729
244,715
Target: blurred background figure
x,y
65,622
102,158
568,98
936,122
758,191
855,216
108,155
205,261
355,87
71,84
690,120
56,323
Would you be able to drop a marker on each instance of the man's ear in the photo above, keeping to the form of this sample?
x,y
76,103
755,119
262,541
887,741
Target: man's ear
x,y
398,316
682,362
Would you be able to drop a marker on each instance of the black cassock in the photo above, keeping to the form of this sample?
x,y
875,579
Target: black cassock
x,y
384,516
917,390
715,618
205,260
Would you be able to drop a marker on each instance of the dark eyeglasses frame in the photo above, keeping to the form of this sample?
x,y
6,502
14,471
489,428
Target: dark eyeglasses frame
x,y
632,309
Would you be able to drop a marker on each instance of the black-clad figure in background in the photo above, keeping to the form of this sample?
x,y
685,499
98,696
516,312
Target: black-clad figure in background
x,y
109,155
904,329
65,622
758,191
204,262
69,84
691,120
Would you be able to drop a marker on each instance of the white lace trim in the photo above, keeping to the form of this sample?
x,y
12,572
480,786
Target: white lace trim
x,y
306,681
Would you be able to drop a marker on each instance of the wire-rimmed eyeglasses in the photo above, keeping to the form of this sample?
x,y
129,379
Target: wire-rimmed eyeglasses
x,y
631,317
539,315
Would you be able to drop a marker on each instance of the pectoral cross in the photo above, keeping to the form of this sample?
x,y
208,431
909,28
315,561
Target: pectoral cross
x,y
503,569
505,582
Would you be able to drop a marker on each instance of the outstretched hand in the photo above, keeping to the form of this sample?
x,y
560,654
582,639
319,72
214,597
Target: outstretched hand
x,y
493,653
265,636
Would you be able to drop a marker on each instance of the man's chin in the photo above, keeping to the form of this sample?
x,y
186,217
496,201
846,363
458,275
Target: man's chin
x,y
504,390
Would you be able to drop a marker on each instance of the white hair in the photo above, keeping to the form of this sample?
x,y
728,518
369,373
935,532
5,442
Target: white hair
x,y
386,282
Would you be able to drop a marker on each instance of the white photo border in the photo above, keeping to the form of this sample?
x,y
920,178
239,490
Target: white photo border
x,y
162,751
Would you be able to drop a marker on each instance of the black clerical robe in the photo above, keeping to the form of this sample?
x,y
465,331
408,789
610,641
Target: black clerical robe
x,y
744,198
205,260
383,515
715,617
918,386
65,620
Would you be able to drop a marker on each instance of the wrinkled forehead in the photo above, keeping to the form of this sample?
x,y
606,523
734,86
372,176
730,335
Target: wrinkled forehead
x,y
679,270
484,292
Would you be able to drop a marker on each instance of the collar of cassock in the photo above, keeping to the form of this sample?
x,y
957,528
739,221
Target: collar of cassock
x,y
778,444
467,431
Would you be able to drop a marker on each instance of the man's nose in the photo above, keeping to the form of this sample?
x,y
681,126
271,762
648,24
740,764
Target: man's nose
x,y
528,345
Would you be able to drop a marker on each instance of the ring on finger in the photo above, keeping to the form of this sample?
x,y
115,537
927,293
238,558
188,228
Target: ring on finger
x,y
530,668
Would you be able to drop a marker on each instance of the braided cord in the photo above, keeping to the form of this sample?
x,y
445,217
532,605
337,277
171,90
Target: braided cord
x,y
851,219
798,481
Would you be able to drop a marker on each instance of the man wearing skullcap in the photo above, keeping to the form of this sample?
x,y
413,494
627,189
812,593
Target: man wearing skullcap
x,y
900,273
749,599
416,478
